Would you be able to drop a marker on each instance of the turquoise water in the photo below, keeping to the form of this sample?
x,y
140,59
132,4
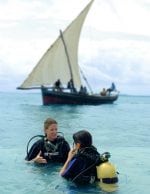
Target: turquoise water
x,y
122,128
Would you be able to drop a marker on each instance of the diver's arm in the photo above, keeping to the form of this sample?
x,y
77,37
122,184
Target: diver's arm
x,y
64,167
38,159
35,153
70,156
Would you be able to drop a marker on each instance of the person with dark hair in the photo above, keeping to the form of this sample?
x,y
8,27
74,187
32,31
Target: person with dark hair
x,y
70,86
83,90
51,147
112,88
80,166
58,85
103,92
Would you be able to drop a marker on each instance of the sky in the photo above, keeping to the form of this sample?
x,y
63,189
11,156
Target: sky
x,y
114,44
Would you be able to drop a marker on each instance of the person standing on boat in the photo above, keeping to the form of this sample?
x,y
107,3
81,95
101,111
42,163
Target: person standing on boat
x,y
51,147
85,90
71,86
82,90
57,85
103,92
80,166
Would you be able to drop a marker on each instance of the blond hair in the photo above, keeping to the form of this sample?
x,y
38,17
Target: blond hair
x,y
48,122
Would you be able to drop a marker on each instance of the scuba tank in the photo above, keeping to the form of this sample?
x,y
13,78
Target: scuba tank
x,y
107,174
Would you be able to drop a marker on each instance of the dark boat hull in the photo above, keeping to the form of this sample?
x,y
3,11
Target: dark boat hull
x,y
55,97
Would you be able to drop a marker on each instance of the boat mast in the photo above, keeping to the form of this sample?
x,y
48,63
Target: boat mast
x,y
67,55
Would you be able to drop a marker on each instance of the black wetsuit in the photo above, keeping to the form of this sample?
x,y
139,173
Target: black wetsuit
x,y
82,167
52,151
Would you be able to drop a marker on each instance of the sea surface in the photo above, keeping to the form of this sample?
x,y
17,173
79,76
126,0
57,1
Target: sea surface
x,y
122,128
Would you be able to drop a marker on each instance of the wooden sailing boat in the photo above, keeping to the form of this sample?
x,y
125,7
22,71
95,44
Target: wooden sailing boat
x,y
60,62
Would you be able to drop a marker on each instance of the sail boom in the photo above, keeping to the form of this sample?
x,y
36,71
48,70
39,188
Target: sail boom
x,y
30,88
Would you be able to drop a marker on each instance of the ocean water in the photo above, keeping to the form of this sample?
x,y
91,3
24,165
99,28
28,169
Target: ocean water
x,y
122,128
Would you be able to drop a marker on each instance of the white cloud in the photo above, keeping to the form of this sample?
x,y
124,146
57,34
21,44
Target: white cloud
x,y
114,45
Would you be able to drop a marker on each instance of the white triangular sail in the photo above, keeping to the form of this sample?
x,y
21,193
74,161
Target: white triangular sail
x,y
54,64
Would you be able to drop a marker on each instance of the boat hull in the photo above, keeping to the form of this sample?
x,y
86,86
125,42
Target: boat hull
x,y
57,97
